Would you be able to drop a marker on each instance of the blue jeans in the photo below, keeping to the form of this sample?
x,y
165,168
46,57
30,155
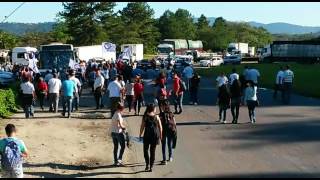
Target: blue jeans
x,y
67,103
178,102
287,92
28,110
27,103
75,102
251,108
167,140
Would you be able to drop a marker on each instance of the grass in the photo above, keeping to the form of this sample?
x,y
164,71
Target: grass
x,y
306,80
148,56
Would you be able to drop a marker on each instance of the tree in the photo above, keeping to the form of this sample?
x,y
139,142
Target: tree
x,y
202,22
7,40
59,33
85,21
35,39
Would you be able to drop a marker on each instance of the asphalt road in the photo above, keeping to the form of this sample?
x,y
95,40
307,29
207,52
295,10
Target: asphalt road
x,y
283,142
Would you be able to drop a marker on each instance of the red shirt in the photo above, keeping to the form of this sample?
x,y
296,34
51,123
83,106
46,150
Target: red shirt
x,y
42,86
161,81
138,89
176,85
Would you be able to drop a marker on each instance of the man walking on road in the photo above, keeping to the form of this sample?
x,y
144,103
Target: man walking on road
x,y
253,75
98,86
68,87
114,89
278,85
76,99
233,76
177,93
188,73
287,84
54,91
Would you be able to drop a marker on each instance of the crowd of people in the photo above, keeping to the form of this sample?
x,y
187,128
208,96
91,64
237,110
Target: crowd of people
x,y
123,86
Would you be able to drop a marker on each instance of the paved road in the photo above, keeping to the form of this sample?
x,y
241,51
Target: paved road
x,y
283,143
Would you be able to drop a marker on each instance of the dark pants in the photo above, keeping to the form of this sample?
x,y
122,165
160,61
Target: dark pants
x,y
98,98
278,87
27,103
235,105
178,102
75,102
194,95
41,97
54,102
222,111
137,104
129,99
167,140
149,160
251,107
287,87
67,104
114,103
118,139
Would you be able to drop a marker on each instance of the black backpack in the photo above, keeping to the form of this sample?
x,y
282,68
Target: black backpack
x,y
168,122
151,128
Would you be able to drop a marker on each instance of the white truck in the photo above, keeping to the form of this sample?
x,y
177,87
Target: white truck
x,y
251,51
238,49
85,53
136,51
20,55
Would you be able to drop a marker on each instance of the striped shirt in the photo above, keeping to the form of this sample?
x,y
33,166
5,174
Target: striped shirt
x,y
288,76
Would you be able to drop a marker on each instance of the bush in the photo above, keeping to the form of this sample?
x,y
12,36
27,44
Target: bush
x,y
8,101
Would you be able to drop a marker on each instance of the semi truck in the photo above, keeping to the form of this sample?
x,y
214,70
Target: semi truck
x,y
55,56
238,49
135,50
298,51
86,53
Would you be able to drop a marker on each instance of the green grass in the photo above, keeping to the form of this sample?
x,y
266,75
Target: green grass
x,y
148,56
306,80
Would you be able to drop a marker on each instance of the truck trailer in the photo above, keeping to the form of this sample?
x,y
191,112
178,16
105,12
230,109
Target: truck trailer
x,y
136,51
238,49
298,51
85,53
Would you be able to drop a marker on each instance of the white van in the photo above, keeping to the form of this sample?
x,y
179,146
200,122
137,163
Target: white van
x,y
21,55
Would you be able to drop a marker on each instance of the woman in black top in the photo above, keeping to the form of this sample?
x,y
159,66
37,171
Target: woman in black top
x,y
224,102
236,93
195,81
152,129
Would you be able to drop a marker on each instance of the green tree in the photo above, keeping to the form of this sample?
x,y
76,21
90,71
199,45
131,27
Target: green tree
x,y
7,40
85,21
202,22
59,33
35,39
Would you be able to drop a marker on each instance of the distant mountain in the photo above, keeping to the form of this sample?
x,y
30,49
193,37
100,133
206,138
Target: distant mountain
x,y
279,28
22,28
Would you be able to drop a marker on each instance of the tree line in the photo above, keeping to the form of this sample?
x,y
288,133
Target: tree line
x,y
89,23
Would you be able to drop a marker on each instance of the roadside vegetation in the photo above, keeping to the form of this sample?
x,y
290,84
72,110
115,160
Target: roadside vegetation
x,y
305,82
9,101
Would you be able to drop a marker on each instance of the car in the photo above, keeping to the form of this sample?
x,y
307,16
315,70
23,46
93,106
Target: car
x,y
214,61
6,78
233,59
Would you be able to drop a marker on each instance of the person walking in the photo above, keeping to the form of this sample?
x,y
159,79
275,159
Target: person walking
x,y
13,150
54,92
138,89
117,130
234,75
76,99
169,132
251,100
223,101
28,96
278,85
221,80
68,87
253,75
98,89
114,89
236,93
151,129
194,87
188,74
177,93
42,91
129,88
287,84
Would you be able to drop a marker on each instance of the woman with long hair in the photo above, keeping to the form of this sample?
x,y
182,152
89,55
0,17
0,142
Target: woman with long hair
x,y
223,101
151,129
251,100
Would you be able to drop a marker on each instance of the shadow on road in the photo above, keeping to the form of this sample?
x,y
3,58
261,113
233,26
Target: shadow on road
x,y
269,175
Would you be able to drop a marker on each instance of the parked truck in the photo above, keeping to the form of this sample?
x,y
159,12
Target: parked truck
x,y
238,49
86,53
299,51
136,51
20,55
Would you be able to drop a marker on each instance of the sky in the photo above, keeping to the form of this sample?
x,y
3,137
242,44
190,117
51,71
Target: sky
x,y
300,13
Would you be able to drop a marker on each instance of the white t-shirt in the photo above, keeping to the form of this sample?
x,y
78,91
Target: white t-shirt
x,y
77,83
54,85
99,82
233,76
188,72
253,75
279,77
116,120
221,80
114,89
27,88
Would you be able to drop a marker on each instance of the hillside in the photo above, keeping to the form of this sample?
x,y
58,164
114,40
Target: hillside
x,y
21,28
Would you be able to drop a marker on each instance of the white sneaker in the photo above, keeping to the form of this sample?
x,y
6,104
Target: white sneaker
x,y
171,159
225,122
195,103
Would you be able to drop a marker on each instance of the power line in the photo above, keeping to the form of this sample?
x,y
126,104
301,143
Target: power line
x,y
6,17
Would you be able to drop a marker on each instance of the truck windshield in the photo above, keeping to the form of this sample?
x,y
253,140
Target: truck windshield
x,y
55,59
164,50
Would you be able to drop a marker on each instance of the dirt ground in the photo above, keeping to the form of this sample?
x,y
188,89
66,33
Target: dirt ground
x,y
61,147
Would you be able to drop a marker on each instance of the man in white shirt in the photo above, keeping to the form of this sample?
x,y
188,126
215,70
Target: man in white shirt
x,y
98,88
54,92
233,76
253,75
278,84
76,98
114,89
287,84
221,79
188,73
28,92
